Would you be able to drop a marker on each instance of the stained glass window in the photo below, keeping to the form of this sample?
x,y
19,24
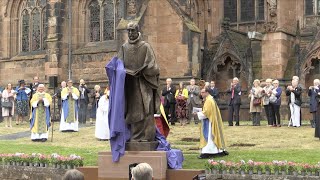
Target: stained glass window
x,y
94,21
36,22
309,4
260,10
120,10
34,26
318,8
31,3
247,10
104,19
108,20
44,29
25,31
230,10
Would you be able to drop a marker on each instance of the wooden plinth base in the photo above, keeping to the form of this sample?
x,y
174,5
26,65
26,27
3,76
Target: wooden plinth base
x,y
120,170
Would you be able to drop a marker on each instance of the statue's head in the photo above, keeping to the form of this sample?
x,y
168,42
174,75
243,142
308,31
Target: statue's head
x,y
133,31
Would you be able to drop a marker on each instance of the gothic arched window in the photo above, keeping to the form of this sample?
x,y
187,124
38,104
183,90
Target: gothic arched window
x,y
230,10
312,7
104,17
247,10
33,25
36,38
25,31
108,20
94,21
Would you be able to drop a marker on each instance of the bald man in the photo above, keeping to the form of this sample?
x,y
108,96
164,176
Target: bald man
x,y
40,115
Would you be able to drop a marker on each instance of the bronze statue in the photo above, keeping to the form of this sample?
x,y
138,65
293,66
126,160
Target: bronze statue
x,y
141,84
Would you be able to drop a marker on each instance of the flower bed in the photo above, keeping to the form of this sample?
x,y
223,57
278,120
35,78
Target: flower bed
x,y
268,168
39,160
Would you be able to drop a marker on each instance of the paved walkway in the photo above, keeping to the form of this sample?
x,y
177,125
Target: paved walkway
x,y
25,134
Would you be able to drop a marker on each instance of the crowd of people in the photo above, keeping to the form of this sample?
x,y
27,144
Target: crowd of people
x,y
179,103
32,104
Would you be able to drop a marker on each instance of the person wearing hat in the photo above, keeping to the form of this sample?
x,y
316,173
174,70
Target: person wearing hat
x,y
22,99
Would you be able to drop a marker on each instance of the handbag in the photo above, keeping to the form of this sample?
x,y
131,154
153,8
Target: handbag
x,y
7,104
257,101
273,99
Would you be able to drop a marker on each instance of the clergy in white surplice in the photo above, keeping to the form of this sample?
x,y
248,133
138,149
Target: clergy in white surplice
x,y
211,129
69,111
40,114
102,122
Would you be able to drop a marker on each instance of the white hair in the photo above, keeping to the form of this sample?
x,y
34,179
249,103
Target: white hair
x,y
41,85
316,81
168,79
235,78
295,78
142,171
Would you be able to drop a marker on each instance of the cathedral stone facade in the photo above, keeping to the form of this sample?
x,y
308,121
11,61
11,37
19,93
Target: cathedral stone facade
x,y
205,39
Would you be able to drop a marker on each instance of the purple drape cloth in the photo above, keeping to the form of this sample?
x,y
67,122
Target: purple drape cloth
x,y
119,132
174,156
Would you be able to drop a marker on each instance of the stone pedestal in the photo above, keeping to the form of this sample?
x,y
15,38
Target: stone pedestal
x,y
141,146
120,170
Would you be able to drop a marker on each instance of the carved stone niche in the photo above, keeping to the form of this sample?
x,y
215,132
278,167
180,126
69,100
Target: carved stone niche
x,y
272,7
131,7
270,26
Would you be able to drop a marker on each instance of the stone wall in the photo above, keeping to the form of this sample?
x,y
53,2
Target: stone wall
x,y
259,177
276,50
32,173
163,29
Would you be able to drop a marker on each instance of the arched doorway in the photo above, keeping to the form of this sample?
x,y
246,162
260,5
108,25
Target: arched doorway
x,y
314,72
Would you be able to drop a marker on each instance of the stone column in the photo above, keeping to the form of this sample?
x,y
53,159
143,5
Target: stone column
x,y
55,8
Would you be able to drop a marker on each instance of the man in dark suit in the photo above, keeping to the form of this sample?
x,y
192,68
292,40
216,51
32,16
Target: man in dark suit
x,y
83,101
313,93
34,86
235,101
168,93
214,91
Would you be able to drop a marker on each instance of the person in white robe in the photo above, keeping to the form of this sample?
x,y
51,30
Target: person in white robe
x,y
102,122
69,111
211,131
40,119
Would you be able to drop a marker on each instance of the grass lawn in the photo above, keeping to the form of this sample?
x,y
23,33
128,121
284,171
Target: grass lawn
x,y
244,142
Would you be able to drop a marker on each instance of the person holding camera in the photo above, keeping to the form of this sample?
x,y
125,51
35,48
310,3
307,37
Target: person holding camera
x,y
169,101
313,93
266,93
193,100
96,95
8,104
22,100
34,86
294,93
83,103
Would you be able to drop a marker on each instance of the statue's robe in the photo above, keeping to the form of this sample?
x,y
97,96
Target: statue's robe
x,y
69,112
141,84
40,116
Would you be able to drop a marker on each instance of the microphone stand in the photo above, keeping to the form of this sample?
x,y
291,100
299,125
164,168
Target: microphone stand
x,y
54,112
